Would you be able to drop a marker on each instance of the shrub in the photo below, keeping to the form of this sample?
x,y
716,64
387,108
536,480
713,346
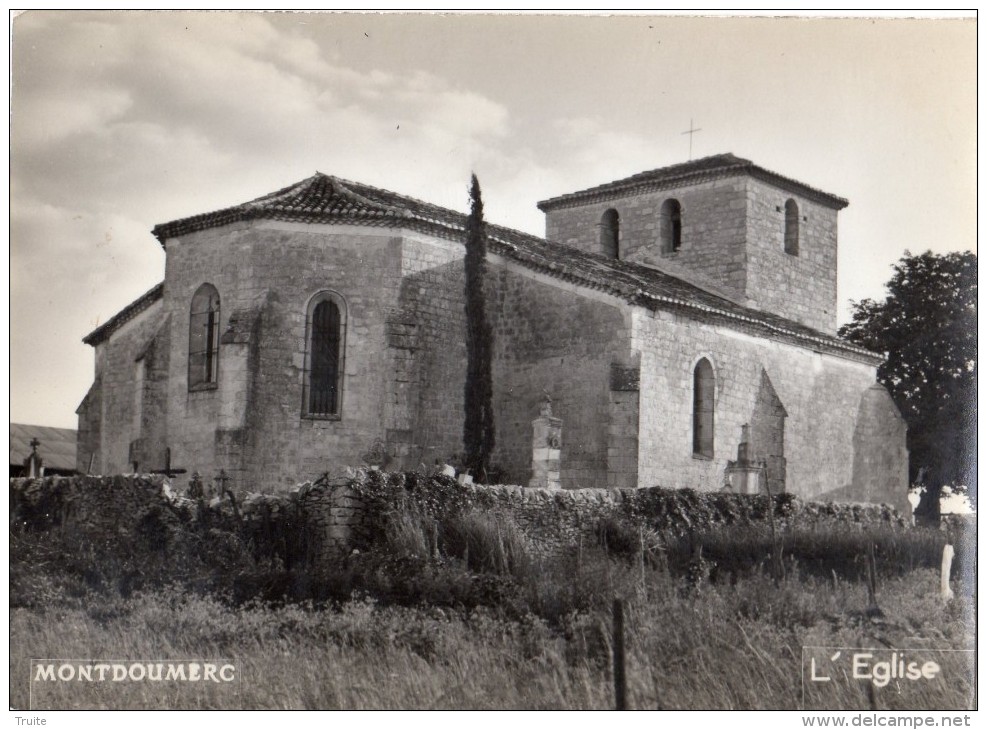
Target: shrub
x,y
487,543
618,537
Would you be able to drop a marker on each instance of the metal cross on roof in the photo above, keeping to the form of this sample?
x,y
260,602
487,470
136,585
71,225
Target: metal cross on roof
x,y
691,131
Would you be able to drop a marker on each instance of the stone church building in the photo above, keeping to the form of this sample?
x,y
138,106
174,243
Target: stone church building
x,y
300,332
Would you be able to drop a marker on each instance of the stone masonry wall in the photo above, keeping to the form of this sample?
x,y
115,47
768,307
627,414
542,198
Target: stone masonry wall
x,y
116,375
714,228
551,338
431,297
152,440
327,517
821,394
332,517
733,233
800,287
558,521
98,507
88,439
266,273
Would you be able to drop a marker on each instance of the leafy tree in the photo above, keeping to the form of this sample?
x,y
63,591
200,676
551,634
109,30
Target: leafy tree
x,y
478,427
928,328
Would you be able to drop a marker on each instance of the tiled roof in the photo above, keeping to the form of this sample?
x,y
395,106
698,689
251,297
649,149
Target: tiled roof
x,y
319,199
57,447
137,306
326,199
706,168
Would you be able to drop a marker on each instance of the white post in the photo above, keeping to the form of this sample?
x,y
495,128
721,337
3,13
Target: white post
x,y
947,563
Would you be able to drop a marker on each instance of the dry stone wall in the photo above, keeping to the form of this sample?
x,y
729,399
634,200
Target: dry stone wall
x,y
557,521
316,524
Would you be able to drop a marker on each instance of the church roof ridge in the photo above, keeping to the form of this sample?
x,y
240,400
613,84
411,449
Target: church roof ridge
x,y
126,314
704,168
325,198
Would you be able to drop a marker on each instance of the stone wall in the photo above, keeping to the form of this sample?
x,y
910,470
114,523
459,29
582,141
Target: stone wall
x,y
432,297
113,402
151,441
310,526
801,287
99,507
558,521
732,233
314,525
552,338
714,228
822,396
266,273
87,448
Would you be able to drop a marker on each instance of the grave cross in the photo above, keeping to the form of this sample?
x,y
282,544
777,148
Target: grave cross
x,y
691,131
221,479
34,465
195,486
168,471
223,489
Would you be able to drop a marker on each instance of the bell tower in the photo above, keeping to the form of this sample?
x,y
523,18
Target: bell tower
x,y
767,240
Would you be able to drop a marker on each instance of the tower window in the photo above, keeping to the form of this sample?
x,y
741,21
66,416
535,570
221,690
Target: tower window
x,y
326,326
791,227
203,338
671,226
610,234
703,391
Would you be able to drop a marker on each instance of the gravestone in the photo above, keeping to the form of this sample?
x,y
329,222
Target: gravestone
x,y
546,449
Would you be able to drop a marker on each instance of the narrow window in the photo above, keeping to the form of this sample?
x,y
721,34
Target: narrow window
x,y
324,356
610,234
703,389
791,227
671,226
203,338
140,371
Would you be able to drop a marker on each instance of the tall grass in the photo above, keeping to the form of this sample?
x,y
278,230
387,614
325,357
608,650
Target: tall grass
x,y
727,647
465,612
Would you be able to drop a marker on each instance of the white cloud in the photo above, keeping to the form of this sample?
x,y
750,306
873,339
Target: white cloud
x,y
40,121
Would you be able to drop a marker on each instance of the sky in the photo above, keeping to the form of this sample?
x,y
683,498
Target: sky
x,y
123,120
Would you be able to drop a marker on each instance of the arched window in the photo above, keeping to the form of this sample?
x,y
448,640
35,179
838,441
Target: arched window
x,y
203,338
703,391
791,227
610,234
671,226
326,328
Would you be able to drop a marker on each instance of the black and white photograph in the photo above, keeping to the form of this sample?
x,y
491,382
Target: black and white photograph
x,y
463,360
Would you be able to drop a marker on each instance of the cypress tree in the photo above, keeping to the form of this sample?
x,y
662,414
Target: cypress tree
x,y
478,425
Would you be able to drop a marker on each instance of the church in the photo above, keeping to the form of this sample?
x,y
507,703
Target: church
x,y
681,321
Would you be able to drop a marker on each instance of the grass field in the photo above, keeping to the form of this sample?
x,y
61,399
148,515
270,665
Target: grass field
x,y
504,631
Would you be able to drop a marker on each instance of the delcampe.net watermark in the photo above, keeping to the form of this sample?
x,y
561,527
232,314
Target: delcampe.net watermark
x,y
848,678
78,684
